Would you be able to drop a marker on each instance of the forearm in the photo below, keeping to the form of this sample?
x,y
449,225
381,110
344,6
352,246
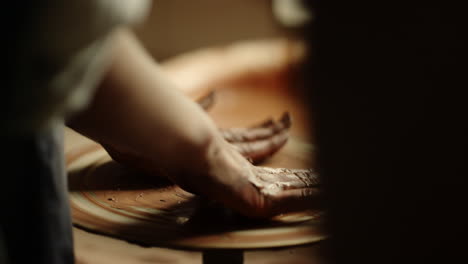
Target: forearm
x,y
137,108
138,111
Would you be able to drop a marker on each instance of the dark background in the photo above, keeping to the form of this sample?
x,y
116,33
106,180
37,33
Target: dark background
x,y
388,79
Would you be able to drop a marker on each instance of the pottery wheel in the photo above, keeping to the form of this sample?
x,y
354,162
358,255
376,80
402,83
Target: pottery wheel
x,y
110,199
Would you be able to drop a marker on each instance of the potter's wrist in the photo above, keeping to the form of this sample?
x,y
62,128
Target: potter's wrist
x,y
196,155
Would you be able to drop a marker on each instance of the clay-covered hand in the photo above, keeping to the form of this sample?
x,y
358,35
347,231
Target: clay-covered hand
x,y
159,130
255,143
224,175
251,190
259,142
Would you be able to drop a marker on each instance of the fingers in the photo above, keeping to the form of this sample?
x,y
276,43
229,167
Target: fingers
x,y
268,122
265,192
292,200
285,119
273,191
207,101
259,150
274,182
263,130
285,190
288,178
257,204
261,141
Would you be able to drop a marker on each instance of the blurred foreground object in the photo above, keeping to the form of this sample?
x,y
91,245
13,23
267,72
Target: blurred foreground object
x,y
390,124
291,13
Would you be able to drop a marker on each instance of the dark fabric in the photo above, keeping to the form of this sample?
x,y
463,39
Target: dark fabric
x,y
16,22
390,117
35,214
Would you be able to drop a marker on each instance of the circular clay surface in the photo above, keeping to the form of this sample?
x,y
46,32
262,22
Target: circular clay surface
x,y
110,199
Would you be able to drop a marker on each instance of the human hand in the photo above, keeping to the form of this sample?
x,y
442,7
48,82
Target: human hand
x,y
225,175
253,191
261,141
158,129
258,142
255,143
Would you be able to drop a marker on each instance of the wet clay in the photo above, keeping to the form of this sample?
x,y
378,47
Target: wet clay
x,y
110,199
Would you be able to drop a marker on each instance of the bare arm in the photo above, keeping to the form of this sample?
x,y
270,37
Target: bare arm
x,y
136,108
137,111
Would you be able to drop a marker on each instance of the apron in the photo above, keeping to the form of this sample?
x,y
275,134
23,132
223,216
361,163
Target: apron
x,y
51,74
35,221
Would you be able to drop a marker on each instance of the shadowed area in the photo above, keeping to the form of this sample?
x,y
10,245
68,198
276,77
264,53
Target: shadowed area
x,y
111,199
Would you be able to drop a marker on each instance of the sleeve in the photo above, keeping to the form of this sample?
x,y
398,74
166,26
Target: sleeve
x,y
58,58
